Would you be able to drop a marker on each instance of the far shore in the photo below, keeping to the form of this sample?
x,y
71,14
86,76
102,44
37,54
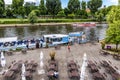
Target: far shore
x,y
38,24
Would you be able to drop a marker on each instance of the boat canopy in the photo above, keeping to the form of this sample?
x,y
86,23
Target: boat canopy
x,y
75,34
8,39
55,36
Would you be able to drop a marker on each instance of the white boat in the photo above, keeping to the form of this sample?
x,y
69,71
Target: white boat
x,y
13,43
56,39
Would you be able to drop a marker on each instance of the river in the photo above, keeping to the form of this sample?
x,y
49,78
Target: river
x,y
92,33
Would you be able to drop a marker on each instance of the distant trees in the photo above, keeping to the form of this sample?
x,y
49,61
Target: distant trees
x,y
93,5
83,5
29,6
2,8
53,7
73,6
17,7
42,7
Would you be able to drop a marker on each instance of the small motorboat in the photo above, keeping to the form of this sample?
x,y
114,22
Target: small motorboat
x,y
91,24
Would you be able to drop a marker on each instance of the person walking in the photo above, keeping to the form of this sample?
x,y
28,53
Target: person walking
x,y
69,47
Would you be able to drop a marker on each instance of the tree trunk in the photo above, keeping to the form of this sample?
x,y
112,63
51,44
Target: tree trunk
x,y
116,47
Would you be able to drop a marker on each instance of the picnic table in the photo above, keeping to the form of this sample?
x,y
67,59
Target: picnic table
x,y
98,76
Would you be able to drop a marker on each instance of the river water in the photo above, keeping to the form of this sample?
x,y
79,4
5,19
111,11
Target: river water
x,y
92,33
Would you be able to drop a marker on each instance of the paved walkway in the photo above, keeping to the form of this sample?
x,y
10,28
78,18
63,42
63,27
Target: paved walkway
x,y
63,56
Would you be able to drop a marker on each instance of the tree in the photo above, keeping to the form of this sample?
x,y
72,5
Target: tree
x,y
66,11
2,8
113,33
42,8
99,16
113,15
83,5
93,5
73,6
9,12
17,6
53,7
32,17
29,6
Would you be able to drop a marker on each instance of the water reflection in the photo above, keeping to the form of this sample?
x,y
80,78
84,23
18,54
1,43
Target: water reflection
x,y
2,32
92,33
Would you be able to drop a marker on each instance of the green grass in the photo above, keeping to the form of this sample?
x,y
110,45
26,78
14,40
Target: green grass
x,y
25,21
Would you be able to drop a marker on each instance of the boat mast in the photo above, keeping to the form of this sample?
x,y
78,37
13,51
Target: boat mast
x,y
83,68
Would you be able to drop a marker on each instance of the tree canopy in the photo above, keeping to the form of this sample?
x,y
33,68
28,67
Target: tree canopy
x,y
17,6
93,5
42,7
2,7
83,5
73,6
29,6
114,14
53,6
113,32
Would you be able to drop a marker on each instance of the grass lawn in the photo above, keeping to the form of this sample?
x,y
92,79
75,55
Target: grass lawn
x,y
24,21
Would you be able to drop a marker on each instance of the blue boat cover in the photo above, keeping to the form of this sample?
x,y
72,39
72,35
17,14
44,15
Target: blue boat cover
x,y
75,34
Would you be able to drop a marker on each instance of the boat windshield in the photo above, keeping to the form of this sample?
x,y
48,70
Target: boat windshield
x,y
56,39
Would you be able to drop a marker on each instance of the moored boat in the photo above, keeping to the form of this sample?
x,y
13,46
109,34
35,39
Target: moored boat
x,y
87,24
12,43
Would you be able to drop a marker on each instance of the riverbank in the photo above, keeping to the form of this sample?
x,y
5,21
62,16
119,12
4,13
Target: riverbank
x,y
41,24
36,24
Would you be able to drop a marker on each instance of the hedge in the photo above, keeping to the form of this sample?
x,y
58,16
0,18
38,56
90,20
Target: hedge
x,y
24,21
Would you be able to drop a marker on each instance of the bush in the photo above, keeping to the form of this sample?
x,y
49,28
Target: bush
x,y
71,16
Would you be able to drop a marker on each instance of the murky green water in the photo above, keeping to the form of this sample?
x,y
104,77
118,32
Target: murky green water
x,y
36,32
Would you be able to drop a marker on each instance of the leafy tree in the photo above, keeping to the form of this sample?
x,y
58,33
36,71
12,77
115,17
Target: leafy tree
x,y
99,16
66,11
113,15
17,6
113,33
2,8
93,5
32,17
29,6
9,12
42,7
73,6
53,7
82,14
83,5
61,13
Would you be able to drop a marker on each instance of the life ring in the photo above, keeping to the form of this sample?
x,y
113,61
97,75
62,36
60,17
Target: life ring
x,y
6,44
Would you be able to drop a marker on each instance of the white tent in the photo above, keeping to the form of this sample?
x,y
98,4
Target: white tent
x,y
41,71
83,68
23,72
8,39
3,60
